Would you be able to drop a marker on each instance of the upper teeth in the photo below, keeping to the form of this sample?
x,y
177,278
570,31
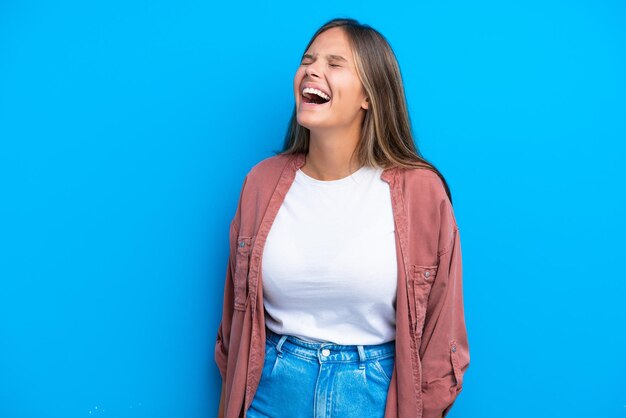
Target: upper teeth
x,y
316,91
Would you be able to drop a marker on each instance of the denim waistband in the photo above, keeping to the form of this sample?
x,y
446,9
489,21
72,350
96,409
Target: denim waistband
x,y
328,351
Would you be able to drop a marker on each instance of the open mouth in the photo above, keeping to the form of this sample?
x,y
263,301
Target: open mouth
x,y
314,96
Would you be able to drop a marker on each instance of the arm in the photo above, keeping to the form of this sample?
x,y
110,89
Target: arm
x,y
220,412
223,333
444,349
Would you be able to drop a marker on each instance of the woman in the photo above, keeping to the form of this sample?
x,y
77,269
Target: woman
x,y
343,295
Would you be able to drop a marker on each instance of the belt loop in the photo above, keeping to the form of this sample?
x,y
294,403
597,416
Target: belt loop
x,y
361,356
279,346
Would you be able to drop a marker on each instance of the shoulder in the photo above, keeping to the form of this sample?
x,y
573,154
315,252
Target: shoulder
x,y
262,178
269,168
425,197
257,188
422,183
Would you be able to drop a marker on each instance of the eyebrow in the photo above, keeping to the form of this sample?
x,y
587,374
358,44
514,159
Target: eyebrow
x,y
329,56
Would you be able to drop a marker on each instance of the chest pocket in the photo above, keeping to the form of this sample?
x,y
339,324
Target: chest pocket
x,y
242,267
420,283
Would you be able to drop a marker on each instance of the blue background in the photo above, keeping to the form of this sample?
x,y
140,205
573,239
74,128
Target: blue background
x,y
126,131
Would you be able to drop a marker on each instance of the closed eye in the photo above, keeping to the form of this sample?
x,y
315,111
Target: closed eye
x,y
332,65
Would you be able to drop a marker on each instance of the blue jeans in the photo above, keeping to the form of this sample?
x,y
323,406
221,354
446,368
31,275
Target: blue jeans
x,y
314,379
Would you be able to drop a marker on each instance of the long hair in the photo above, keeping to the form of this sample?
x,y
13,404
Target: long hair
x,y
386,138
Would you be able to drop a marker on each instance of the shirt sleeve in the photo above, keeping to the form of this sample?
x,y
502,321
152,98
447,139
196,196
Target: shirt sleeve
x,y
444,348
223,332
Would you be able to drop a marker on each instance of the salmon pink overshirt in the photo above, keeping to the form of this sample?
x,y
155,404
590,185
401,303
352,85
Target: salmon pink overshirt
x,y
432,350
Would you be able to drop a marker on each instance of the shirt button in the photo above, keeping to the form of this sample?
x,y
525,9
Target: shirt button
x,y
326,352
427,273
454,348
242,243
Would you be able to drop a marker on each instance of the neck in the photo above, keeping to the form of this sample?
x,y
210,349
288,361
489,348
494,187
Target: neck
x,y
330,155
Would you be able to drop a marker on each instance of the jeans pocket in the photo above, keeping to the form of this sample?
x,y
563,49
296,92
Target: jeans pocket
x,y
385,367
271,358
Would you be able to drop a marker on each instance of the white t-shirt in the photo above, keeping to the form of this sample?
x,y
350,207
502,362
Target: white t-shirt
x,y
329,262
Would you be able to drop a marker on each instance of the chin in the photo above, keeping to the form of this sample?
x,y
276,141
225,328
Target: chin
x,y
305,122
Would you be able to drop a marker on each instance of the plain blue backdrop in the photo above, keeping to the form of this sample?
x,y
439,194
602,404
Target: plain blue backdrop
x,y
126,129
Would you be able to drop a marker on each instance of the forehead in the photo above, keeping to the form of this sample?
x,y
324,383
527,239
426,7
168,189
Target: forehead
x,y
333,41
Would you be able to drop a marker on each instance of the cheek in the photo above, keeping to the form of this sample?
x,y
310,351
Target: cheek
x,y
299,75
356,93
297,79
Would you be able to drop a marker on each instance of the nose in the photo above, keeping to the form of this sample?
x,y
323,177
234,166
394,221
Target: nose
x,y
311,70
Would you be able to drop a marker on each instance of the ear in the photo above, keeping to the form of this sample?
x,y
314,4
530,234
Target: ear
x,y
365,103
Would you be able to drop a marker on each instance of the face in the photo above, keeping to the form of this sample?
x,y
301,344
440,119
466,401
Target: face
x,y
328,66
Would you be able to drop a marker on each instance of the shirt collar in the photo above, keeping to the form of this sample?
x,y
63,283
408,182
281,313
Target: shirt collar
x,y
387,174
